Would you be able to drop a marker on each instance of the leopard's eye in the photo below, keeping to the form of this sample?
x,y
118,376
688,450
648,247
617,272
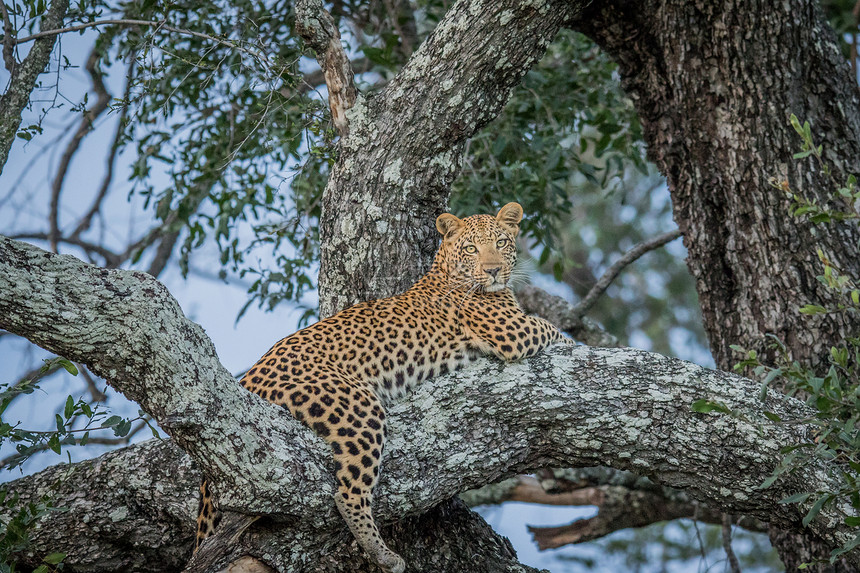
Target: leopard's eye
x,y
502,243
470,249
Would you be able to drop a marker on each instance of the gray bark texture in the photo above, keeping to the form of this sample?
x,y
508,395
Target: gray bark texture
x,y
714,93
569,407
405,144
23,79
714,84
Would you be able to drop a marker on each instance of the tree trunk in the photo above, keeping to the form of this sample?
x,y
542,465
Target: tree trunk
x,y
714,84
405,144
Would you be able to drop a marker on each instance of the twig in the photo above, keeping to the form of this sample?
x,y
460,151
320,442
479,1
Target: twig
x,y
86,220
317,27
160,25
96,395
85,126
8,39
727,544
112,260
603,283
123,441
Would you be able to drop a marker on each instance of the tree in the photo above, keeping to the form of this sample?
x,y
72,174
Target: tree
x,y
400,149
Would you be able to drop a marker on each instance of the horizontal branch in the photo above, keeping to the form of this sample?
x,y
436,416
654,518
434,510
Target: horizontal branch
x,y
569,406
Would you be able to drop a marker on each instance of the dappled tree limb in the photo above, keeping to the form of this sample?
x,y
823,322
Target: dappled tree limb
x,y
565,316
623,500
24,75
317,27
569,406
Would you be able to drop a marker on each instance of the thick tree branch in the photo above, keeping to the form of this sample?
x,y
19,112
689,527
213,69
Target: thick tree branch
x,y
406,142
575,407
8,40
319,30
23,79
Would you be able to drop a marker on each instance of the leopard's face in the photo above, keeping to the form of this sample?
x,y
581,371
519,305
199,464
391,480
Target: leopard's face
x,y
479,252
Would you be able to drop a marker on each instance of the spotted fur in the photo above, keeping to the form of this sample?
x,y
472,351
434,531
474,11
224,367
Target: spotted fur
x,y
336,375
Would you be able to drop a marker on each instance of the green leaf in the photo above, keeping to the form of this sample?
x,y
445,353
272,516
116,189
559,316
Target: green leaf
x,y
852,521
122,429
772,417
796,498
845,548
812,309
70,368
705,406
112,421
816,508
768,482
54,558
54,444
795,123
41,569
70,408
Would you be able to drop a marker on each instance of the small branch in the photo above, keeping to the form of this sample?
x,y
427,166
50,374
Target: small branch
x,y
86,220
623,500
563,314
85,126
8,40
112,260
622,508
630,256
123,441
727,544
160,25
96,395
317,27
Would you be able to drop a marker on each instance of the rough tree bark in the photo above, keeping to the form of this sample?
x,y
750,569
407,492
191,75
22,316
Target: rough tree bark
x,y
681,60
714,84
574,407
405,144
23,78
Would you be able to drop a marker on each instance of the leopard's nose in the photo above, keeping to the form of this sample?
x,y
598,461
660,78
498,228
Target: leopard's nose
x,y
493,271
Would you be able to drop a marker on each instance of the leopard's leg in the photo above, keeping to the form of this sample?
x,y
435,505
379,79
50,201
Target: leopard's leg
x,y
208,515
353,424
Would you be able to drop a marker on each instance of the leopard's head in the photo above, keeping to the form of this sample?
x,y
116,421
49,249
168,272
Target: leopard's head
x,y
479,252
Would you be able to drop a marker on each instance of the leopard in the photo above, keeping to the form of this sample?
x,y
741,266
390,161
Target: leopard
x,y
338,375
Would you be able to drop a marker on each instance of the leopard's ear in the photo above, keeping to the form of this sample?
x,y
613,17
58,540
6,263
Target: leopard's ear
x,y
509,217
446,223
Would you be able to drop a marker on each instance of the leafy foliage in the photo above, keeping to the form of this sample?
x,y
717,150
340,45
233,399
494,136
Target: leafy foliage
x,y
15,532
29,442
